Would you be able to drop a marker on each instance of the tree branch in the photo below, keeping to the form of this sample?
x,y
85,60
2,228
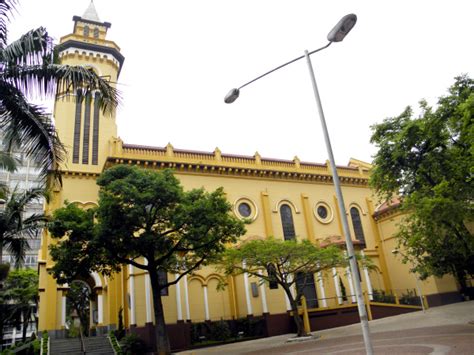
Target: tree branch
x,y
198,263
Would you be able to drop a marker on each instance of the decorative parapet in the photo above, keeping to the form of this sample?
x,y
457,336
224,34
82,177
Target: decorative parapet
x,y
98,41
228,164
388,208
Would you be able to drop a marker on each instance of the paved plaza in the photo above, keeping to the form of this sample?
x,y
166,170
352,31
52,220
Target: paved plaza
x,y
440,330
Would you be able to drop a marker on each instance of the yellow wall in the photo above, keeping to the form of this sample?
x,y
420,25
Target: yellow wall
x,y
263,183
402,278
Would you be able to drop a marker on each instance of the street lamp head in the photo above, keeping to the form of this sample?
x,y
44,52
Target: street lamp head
x,y
343,27
231,96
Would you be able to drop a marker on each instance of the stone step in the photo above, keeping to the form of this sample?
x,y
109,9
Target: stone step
x,y
99,345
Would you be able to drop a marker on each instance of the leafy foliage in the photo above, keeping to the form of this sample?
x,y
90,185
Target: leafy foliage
x,y
207,333
429,161
144,219
21,291
274,260
132,344
71,255
19,296
15,227
29,67
410,298
382,297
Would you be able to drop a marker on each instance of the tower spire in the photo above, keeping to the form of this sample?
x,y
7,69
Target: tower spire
x,y
91,13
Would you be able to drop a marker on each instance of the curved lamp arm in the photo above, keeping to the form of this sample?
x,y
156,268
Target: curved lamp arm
x,y
337,34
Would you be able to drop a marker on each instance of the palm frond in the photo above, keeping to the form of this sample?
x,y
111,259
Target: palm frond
x,y
17,247
3,190
30,49
16,230
8,162
28,126
54,79
6,7
22,199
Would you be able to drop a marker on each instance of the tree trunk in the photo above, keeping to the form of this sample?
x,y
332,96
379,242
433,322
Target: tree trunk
x,y
301,332
26,318
461,277
81,338
161,334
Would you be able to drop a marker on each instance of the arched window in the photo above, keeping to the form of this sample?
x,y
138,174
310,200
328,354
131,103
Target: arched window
x,y
357,224
305,282
86,31
287,222
96,32
271,271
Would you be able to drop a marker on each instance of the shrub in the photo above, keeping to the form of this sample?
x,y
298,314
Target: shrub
x,y
220,330
132,344
250,327
73,332
380,296
410,298
36,346
115,344
45,337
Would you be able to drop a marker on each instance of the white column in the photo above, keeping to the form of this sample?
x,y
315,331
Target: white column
x,y
131,280
147,295
336,285
351,284
264,296
247,291
186,298
206,304
63,310
178,298
367,279
322,290
100,309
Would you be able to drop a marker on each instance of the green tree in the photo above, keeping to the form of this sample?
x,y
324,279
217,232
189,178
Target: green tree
x,y
281,262
78,225
145,219
429,161
21,294
29,67
15,227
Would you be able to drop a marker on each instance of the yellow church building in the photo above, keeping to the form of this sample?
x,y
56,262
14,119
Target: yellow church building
x,y
285,199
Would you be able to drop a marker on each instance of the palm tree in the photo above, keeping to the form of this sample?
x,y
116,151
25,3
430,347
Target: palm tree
x,y
29,67
8,163
15,228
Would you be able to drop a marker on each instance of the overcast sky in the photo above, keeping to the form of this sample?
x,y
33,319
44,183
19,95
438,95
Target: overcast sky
x,y
183,56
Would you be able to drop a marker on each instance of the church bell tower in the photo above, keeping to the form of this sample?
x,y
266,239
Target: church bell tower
x,y
82,126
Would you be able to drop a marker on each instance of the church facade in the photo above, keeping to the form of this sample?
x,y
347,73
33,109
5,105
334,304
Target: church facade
x,y
284,199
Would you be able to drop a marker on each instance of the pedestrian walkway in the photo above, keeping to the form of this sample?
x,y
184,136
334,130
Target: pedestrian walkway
x,y
440,330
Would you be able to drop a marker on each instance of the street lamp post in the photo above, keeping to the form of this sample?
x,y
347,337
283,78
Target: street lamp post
x,y
337,34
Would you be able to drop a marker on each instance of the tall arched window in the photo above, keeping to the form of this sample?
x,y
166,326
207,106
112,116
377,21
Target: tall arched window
x,y
86,31
357,224
287,222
